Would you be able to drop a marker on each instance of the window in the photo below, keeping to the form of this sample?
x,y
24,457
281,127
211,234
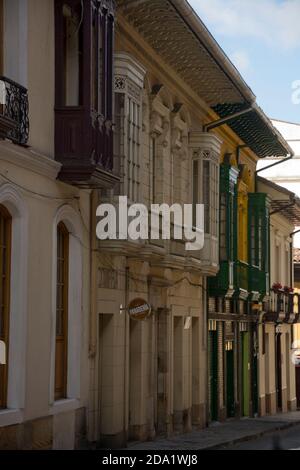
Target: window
x,y
195,188
243,226
208,210
228,213
128,119
62,288
278,263
102,64
153,162
72,36
206,190
5,254
258,214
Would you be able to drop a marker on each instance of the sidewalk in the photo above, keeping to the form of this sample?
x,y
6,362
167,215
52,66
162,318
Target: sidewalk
x,y
223,434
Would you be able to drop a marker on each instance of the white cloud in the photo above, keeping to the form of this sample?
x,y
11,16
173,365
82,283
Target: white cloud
x,y
241,60
276,22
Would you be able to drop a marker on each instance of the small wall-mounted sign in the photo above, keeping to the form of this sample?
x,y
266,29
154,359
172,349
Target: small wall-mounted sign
x,y
139,309
187,323
2,353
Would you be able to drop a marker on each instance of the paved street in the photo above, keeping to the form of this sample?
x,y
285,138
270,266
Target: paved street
x,y
283,440
257,433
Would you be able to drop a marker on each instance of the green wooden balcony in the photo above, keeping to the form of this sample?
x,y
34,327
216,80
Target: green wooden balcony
x,y
241,281
223,284
258,282
231,281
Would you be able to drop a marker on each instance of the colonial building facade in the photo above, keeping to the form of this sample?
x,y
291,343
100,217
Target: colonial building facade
x,y
102,99
172,145
277,390
55,130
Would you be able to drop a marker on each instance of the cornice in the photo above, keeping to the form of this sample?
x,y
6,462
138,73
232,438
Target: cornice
x,y
29,160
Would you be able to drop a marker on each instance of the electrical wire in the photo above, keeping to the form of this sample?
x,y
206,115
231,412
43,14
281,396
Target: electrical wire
x,y
45,196
87,248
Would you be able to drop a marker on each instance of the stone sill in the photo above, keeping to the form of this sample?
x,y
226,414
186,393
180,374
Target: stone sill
x,y
10,417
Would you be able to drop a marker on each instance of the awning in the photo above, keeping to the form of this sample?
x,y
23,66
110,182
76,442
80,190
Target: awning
x,y
255,129
177,34
282,201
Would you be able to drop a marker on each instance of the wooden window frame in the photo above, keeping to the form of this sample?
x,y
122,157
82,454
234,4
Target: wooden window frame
x,y
5,215
61,391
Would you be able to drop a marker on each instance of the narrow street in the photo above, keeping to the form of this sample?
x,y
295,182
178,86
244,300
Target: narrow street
x,y
270,432
280,440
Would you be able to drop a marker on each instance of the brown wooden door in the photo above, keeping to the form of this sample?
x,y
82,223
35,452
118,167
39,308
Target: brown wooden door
x,y
278,372
5,256
61,343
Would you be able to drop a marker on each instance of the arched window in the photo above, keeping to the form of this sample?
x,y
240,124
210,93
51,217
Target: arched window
x,y
62,288
5,258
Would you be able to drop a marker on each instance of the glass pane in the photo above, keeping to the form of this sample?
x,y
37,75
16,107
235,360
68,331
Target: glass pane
x,y
206,194
73,55
195,189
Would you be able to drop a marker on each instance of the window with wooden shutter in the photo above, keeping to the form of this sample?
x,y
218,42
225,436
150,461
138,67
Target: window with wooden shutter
x,y
62,284
5,258
228,213
206,189
259,241
84,41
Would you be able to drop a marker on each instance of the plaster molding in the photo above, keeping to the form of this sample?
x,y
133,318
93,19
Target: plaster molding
x,y
29,160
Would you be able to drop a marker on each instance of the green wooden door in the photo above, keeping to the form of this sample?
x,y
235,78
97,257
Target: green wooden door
x,y
255,386
246,374
213,374
230,384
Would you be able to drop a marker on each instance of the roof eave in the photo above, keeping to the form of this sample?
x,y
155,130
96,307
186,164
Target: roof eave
x,y
199,28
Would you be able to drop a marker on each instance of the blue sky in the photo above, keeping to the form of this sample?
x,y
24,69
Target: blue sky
x,y
262,38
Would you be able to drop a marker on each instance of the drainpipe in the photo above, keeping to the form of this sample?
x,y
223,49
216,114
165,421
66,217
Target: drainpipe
x,y
275,164
271,166
220,122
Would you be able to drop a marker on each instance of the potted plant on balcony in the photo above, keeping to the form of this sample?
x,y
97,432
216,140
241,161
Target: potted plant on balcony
x,y
277,287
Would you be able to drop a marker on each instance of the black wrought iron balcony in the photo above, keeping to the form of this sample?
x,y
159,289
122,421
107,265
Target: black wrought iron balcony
x,y
282,307
14,121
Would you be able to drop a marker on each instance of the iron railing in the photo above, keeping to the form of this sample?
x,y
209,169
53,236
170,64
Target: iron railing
x,y
14,111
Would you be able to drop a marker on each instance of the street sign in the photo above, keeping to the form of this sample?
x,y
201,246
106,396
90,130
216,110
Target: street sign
x,y
139,309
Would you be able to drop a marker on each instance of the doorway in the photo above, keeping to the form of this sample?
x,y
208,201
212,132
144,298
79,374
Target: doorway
x,y
230,404
278,372
213,374
245,374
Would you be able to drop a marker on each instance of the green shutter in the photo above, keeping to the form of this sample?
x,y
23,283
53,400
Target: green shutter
x,y
230,384
213,374
258,233
218,286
